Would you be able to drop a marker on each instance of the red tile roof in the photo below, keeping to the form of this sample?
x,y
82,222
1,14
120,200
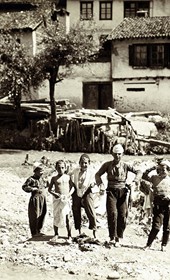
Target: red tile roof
x,y
141,27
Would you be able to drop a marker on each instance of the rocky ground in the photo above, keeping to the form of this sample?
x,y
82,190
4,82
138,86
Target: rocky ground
x,y
22,257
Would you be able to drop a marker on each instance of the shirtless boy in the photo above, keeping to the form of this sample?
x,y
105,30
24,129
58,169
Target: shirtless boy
x,y
61,188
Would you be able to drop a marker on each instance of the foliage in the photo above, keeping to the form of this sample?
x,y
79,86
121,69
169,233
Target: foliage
x,y
19,71
163,127
59,48
76,47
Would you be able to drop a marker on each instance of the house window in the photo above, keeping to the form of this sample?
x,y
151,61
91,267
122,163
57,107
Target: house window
x,y
136,9
151,55
140,55
135,89
105,11
157,55
86,10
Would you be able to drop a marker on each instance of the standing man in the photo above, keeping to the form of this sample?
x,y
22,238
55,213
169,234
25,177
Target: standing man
x,y
116,201
161,202
37,207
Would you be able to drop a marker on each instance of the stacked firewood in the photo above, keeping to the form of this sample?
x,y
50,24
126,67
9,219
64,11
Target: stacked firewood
x,y
83,130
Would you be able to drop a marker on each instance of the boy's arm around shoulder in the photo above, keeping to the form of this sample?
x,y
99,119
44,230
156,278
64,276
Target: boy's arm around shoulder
x,y
103,169
145,174
146,183
138,173
72,187
100,172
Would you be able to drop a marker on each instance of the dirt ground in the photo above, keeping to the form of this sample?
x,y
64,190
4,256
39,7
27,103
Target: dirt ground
x,y
22,257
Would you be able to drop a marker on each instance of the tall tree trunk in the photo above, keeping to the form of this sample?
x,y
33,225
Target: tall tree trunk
x,y
52,82
20,118
19,113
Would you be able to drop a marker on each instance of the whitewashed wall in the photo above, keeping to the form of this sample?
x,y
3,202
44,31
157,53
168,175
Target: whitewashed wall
x,y
73,7
72,88
154,82
157,8
155,97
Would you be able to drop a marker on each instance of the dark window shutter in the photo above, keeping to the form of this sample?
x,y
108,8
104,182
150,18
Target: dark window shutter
x,y
149,55
131,55
167,55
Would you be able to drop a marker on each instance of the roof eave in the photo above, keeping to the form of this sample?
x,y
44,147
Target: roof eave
x,y
139,38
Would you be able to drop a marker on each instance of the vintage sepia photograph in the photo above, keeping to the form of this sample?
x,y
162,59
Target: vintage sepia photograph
x,y
84,139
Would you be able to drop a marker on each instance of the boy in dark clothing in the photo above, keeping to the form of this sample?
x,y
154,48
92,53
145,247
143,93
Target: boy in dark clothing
x,y
161,202
37,207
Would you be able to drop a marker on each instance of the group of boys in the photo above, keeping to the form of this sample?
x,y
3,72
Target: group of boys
x,y
74,190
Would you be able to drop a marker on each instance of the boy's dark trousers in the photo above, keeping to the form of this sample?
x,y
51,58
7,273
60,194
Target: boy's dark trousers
x,y
87,202
117,208
36,212
161,216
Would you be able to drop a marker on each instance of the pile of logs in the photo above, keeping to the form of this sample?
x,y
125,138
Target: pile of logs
x,y
98,130
85,130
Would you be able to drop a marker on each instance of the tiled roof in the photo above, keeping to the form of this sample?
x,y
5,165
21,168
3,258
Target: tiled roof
x,y
141,27
15,1
19,20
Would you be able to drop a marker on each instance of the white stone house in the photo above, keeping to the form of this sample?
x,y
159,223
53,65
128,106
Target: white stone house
x,y
141,64
99,84
24,22
102,84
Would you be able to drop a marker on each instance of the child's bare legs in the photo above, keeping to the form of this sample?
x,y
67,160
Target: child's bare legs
x,y
68,226
55,231
54,239
94,233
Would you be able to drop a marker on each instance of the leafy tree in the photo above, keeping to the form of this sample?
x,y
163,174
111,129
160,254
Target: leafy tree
x,y
66,49
18,73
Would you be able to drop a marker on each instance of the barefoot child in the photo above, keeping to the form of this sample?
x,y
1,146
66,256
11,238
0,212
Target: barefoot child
x,y
62,192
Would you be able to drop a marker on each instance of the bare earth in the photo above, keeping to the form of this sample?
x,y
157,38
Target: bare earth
x,y
24,258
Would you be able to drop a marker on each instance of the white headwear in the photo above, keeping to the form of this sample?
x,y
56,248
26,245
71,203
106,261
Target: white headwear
x,y
118,149
37,165
165,162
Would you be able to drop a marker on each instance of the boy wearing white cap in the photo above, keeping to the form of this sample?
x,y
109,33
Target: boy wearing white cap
x,y
37,207
161,202
116,203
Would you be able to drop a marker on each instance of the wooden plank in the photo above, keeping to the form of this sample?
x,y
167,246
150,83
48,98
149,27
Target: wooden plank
x,y
97,114
96,123
123,118
35,105
154,141
144,113
7,114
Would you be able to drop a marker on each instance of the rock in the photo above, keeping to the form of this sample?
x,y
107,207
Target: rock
x,y
67,258
114,275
